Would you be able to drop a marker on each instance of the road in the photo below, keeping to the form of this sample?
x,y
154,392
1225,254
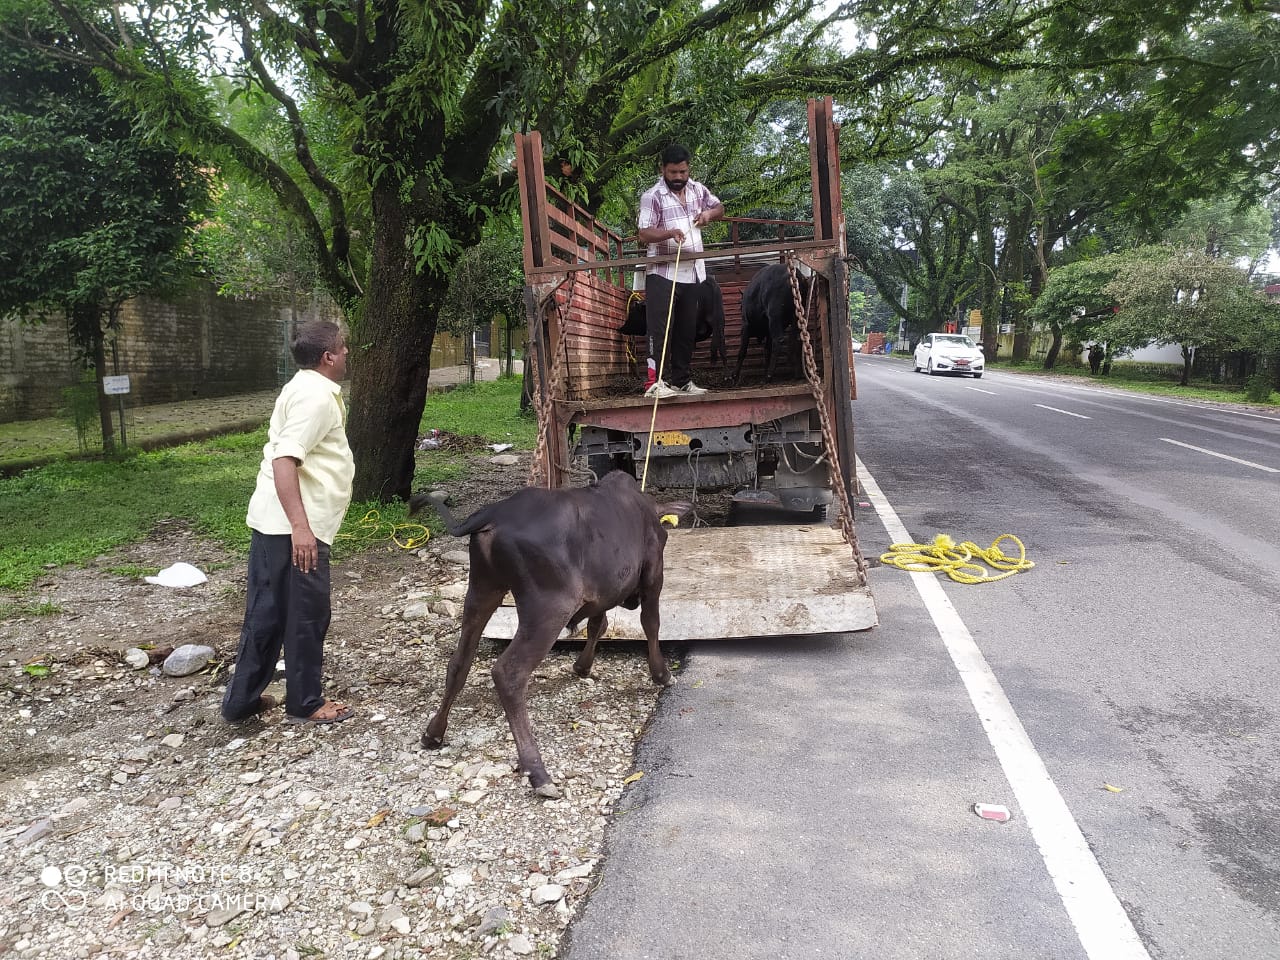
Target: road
x,y
813,797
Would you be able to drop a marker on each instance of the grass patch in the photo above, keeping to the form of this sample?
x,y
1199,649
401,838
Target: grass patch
x,y
133,571
74,510
33,608
1155,378
490,410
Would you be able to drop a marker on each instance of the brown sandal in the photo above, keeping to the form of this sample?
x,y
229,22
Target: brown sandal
x,y
339,712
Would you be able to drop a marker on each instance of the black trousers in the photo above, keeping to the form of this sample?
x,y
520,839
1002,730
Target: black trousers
x,y
287,609
684,325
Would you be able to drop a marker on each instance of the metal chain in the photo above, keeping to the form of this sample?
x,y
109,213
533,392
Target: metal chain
x,y
546,400
824,418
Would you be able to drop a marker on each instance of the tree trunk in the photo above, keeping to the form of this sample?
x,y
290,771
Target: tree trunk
x,y
1055,348
391,356
1186,367
89,323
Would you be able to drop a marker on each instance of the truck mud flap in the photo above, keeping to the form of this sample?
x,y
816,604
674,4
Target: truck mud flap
x,y
757,581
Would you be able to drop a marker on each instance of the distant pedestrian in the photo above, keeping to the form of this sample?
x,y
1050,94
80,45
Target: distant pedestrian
x,y
302,493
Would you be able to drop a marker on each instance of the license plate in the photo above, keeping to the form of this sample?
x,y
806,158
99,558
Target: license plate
x,y
671,438
961,363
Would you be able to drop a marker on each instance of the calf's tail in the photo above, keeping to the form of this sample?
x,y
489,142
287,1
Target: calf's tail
x,y
436,499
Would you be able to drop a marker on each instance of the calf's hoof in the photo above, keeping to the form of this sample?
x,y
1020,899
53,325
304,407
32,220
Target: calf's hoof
x,y
548,791
665,679
430,742
580,670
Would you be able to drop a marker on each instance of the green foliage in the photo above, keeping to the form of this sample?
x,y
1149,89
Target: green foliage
x,y
92,214
1183,297
1258,388
80,409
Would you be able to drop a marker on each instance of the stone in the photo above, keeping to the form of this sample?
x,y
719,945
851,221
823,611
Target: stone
x,y
173,740
445,608
575,873
416,610
456,556
360,908
217,918
494,920
548,893
187,659
419,877
520,945
454,591
504,460
38,830
137,658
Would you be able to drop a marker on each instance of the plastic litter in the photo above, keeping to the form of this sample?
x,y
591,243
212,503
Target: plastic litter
x,y
499,447
991,811
179,575
430,441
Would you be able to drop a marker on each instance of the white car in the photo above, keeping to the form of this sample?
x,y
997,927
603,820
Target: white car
x,y
949,353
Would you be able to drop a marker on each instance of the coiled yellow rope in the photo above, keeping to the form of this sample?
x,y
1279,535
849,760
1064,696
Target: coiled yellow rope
x,y
954,559
371,527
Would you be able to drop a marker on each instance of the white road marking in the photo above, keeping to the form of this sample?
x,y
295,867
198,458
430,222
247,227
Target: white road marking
x,y
1101,923
980,390
1067,412
1221,456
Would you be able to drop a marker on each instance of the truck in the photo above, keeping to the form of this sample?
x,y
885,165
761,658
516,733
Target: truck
x,y
784,446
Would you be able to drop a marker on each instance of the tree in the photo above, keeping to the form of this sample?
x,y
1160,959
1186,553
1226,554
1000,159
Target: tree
x,y
91,215
1188,298
428,94
487,283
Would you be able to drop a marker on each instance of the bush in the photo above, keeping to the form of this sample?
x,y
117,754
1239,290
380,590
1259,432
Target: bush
x,y
1258,388
80,408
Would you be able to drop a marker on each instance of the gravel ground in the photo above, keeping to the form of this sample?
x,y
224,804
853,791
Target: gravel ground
x,y
134,822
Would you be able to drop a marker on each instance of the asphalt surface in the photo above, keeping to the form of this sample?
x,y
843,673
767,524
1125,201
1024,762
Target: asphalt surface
x,y
808,797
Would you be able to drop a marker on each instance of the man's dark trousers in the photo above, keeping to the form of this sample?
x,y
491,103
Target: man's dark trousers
x,y
283,608
684,325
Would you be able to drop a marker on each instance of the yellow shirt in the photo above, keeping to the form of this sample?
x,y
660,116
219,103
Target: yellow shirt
x,y
308,424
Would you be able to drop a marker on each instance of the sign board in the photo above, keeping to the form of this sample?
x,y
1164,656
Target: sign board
x,y
975,318
1006,328
973,333
115,385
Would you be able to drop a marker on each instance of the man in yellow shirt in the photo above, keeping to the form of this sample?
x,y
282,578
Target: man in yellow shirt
x,y
302,494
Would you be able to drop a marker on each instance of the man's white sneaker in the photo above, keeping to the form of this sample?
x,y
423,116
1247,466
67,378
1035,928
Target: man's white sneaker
x,y
691,389
660,390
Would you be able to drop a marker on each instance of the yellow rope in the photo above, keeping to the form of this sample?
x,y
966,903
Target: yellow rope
x,y
371,528
954,559
662,360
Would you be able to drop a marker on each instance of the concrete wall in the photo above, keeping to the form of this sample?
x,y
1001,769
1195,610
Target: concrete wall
x,y
200,345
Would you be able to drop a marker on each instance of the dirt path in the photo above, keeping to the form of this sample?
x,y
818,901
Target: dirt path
x,y
135,822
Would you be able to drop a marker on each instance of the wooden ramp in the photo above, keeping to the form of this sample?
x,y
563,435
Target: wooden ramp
x,y
757,581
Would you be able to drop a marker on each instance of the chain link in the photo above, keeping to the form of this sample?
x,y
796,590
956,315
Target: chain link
x,y
824,418
541,470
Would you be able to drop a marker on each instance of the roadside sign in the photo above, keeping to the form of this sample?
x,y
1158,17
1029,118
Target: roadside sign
x,y
112,386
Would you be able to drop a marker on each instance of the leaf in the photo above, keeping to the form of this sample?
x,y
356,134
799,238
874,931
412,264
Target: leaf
x,y
377,818
36,670
633,778
1112,789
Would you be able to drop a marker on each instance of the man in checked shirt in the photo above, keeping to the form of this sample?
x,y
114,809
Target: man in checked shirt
x,y
672,214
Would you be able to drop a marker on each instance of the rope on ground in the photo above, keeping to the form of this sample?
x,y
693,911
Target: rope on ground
x,y
371,528
955,559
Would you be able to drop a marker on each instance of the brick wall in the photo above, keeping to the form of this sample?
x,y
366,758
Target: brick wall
x,y
199,345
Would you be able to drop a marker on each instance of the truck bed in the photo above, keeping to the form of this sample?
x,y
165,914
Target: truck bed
x,y
759,581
